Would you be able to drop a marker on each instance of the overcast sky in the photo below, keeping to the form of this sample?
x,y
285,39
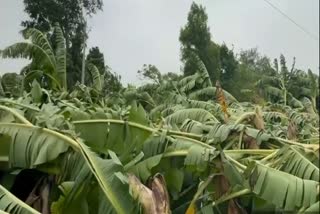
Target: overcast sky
x,y
135,32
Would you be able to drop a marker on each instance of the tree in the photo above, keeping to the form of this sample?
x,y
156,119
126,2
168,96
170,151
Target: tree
x,y
304,84
75,56
263,66
229,66
11,84
171,76
252,59
195,38
151,72
283,65
278,85
314,90
249,57
69,14
97,58
44,13
112,81
251,67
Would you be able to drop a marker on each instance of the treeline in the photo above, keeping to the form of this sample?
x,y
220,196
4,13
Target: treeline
x,y
248,75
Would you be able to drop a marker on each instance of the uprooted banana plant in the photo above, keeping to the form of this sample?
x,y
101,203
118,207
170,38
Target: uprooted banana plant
x,y
172,152
180,156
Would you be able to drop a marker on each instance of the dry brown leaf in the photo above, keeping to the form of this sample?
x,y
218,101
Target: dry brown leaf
x,y
235,208
154,198
191,209
161,196
258,119
39,196
250,142
292,131
222,101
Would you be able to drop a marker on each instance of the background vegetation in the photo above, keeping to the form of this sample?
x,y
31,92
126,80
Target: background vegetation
x,y
204,141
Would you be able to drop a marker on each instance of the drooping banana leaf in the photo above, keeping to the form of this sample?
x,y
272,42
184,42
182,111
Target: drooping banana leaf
x,y
198,158
109,175
60,56
28,50
210,92
78,203
38,38
96,77
11,204
196,114
31,146
285,191
294,162
116,135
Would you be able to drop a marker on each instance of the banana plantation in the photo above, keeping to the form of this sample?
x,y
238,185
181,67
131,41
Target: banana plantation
x,y
181,145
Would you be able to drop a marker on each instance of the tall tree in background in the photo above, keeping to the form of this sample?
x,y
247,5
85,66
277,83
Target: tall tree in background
x,y
111,80
69,14
252,59
252,66
277,84
304,84
276,64
229,67
97,58
195,37
249,57
150,72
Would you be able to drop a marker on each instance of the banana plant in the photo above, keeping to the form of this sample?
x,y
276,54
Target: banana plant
x,y
98,160
147,155
45,60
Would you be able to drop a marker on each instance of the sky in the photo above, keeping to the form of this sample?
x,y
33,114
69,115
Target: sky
x,y
131,33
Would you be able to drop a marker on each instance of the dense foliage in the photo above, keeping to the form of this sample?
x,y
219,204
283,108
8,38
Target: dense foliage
x,y
177,144
175,150
195,37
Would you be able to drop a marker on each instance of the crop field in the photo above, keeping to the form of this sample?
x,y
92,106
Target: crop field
x,y
191,143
